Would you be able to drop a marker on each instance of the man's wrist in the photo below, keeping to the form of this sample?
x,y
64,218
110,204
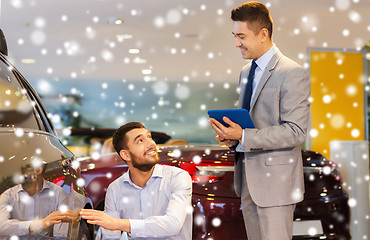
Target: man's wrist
x,y
124,225
241,136
35,226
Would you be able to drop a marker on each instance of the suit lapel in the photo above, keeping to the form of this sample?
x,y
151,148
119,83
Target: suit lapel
x,y
266,76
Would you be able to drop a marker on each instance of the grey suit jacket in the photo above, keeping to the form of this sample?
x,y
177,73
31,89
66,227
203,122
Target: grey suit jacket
x,y
272,151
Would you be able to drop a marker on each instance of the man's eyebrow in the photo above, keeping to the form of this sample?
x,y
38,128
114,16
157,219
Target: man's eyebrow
x,y
138,136
237,34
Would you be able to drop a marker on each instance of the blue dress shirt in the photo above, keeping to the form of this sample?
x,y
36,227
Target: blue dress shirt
x,y
160,210
18,210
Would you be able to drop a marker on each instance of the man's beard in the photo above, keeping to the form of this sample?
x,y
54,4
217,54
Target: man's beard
x,y
146,166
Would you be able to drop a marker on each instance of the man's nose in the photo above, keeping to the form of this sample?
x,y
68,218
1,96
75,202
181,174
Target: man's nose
x,y
151,143
237,43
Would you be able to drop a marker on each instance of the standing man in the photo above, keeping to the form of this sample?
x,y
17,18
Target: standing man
x,y
149,200
275,91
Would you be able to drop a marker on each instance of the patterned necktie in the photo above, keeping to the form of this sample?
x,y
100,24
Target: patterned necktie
x,y
249,87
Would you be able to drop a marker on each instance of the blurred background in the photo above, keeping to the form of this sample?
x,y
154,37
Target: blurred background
x,y
102,63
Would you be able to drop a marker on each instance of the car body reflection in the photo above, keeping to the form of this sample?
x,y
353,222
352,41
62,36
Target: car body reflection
x,y
39,176
35,207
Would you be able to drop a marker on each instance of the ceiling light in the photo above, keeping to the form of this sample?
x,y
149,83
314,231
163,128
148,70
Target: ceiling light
x,y
138,60
114,20
118,21
150,78
134,51
28,60
122,37
146,71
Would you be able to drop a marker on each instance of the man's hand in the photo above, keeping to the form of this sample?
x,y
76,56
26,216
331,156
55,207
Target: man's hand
x,y
71,216
225,135
225,142
53,218
104,220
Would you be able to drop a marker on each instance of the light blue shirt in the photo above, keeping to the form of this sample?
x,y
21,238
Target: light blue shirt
x,y
160,210
18,210
262,63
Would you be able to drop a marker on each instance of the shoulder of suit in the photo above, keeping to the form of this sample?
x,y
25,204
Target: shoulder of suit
x,y
288,63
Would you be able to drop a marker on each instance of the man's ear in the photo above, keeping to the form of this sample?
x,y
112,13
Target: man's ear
x,y
125,155
39,171
264,33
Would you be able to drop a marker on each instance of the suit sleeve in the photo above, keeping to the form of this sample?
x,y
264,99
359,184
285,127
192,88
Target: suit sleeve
x,y
290,127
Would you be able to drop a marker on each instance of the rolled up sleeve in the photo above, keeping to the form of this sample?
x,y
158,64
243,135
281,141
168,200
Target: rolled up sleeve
x,y
112,210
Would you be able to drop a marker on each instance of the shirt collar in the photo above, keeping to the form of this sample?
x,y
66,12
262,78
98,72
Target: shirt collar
x,y
45,185
265,58
157,173
19,188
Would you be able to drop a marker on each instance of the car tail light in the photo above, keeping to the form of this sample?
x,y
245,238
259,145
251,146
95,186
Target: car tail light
x,y
59,181
335,172
204,172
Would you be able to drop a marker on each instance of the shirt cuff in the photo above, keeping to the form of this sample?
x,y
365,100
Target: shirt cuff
x,y
24,227
137,228
240,147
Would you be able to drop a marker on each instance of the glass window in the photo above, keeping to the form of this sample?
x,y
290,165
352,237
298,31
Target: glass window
x,y
39,111
16,109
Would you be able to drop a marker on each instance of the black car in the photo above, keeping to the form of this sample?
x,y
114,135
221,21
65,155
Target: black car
x,y
31,153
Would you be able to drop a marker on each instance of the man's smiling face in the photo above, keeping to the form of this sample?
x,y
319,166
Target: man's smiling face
x,y
247,41
142,149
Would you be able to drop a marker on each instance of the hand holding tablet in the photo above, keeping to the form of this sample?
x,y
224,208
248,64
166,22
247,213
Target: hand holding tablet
x,y
239,116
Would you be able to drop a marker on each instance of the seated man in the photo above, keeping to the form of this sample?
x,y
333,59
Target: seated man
x,y
31,210
149,200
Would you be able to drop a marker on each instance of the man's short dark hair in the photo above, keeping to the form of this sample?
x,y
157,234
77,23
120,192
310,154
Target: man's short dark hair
x,y
119,136
256,14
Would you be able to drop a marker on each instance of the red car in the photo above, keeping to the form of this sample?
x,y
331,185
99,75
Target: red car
x,y
324,213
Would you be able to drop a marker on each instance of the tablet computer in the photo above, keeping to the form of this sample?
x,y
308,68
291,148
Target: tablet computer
x,y
239,116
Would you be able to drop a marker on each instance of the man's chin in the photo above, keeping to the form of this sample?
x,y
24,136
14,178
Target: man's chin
x,y
150,163
245,56
145,167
